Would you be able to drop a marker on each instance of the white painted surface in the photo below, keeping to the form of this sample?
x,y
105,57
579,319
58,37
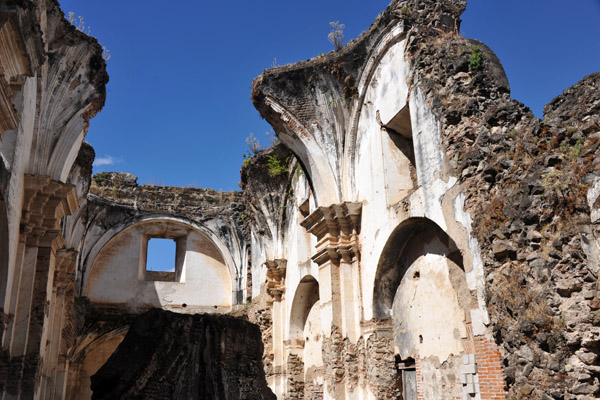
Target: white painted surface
x,y
427,316
115,276
313,339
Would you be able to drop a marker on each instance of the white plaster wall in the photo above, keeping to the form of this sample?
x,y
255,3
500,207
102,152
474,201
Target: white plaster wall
x,y
114,276
386,95
20,159
299,247
313,340
258,257
427,316
385,191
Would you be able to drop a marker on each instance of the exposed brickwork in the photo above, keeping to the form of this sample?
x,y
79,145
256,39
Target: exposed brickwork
x,y
489,366
295,377
420,392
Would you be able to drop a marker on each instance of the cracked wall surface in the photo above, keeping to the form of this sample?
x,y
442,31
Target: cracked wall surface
x,y
425,236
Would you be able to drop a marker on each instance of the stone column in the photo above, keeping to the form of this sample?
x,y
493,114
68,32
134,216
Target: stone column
x,y
337,230
59,322
276,291
45,202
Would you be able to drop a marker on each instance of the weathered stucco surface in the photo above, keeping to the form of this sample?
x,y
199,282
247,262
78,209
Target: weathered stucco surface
x,y
425,237
118,274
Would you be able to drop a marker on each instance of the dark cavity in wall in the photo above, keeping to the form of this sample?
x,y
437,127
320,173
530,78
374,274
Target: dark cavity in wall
x,y
175,356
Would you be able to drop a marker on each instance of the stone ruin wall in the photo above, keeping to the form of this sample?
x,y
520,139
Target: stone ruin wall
x,y
383,261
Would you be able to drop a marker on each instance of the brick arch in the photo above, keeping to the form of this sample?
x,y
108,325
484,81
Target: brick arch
x,y
313,154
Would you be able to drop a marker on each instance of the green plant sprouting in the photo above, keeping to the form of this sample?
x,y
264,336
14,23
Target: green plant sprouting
x,y
554,180
254,145
476,59
336,36
247,156
572,150
101,177
277,166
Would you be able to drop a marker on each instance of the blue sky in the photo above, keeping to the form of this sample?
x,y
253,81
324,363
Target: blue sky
x,y
161,255
178,109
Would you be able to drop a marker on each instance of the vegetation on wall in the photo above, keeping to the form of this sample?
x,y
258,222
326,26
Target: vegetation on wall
x,y
336,36
277,166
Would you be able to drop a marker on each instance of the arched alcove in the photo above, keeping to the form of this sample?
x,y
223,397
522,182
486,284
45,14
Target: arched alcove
x,y
199,279
306,295
409,241
382,134
305,337
87,358
421,286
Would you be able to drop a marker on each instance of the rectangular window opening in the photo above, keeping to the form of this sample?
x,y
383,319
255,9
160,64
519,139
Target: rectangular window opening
x,y
160,259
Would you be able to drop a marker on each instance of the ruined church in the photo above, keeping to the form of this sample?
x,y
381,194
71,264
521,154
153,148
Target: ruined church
x,y
415,234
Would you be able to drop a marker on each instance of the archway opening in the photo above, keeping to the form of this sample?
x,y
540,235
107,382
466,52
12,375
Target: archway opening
x,y
412,239
421,287
305,360
89,358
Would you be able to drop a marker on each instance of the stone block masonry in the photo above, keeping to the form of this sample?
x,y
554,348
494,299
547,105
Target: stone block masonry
x,y
424,236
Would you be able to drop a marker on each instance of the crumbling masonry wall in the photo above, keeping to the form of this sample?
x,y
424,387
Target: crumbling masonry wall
x,y
424,236
446,150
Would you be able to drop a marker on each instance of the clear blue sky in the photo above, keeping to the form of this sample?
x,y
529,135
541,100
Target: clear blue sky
x,y
178,109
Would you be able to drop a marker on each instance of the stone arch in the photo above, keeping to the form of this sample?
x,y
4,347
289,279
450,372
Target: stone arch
x,y
88,357
311,152
203,277
4,246
421,288
381,129
305,362
406,243
382,110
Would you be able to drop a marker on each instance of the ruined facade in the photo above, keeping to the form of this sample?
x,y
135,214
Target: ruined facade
x,y
416,234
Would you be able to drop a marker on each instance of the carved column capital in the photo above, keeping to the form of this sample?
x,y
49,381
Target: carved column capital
x,y
45,202
276,278
336,228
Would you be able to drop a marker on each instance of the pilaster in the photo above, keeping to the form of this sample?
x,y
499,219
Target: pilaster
x,y
45,202
337,253
276,291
